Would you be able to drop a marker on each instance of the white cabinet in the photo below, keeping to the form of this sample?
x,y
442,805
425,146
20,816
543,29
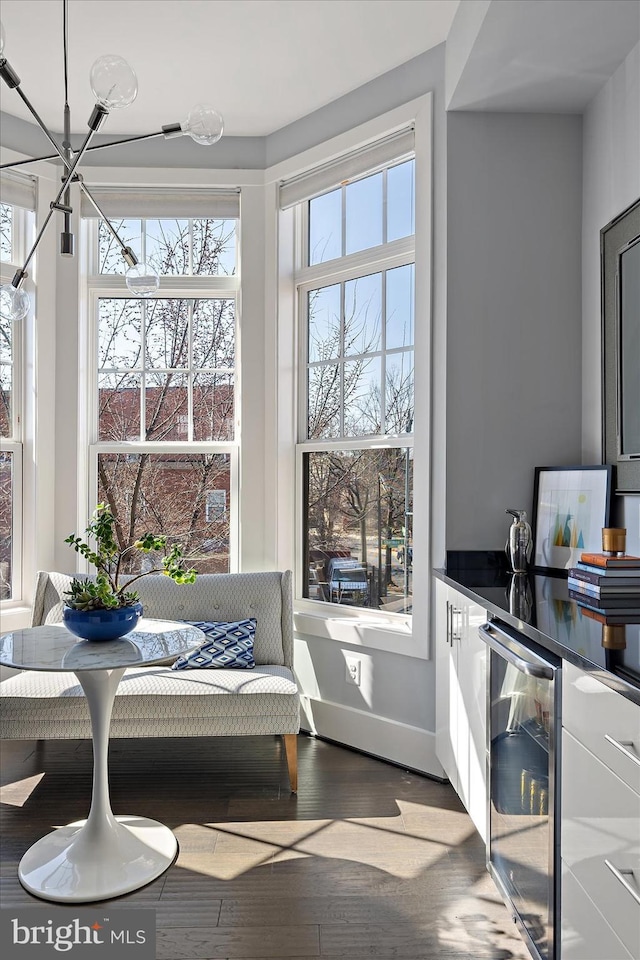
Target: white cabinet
x,y
600,828
585,934
461,684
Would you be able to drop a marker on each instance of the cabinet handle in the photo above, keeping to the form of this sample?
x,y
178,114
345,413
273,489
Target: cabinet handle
x,y
454,635
622,875
623,747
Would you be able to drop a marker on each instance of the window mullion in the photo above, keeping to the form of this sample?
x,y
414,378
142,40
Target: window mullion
x,y
383,358
190,373
143,372
398,253
341,357
384,206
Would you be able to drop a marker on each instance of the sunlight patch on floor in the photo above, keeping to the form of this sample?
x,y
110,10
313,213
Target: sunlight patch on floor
x,y
379,842
17,793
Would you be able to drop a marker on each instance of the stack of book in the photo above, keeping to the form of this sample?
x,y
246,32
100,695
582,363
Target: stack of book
x,y
606,583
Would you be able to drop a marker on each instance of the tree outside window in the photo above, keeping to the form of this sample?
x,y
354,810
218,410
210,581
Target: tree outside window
x,y
166,375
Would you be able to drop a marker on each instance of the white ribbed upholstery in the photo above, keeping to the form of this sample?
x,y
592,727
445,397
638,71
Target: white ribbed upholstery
x,y
160,702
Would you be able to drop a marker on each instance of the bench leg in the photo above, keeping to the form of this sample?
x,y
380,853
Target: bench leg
x,y
291,750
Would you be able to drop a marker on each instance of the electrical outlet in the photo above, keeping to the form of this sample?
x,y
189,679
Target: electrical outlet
x,y
353,670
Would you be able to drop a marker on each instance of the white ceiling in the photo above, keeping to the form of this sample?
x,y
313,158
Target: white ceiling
x,y
539,55
261,63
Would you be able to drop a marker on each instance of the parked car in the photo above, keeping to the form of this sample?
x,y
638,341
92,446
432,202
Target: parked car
x,y
348,581
316,588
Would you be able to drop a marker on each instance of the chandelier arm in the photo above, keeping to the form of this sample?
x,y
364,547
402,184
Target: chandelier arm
x,y
20,274
126,251
60,154
97,146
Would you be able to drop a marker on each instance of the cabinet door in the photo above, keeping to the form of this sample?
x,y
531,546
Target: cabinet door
x,y
601,838
471,669
461,685
446,694
585,935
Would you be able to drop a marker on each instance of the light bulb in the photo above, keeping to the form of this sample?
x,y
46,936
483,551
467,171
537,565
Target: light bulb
x,y
2,38
142,280
113,82
14,303
204,125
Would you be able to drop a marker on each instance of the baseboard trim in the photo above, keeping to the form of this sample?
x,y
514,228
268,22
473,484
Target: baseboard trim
x,y
399,743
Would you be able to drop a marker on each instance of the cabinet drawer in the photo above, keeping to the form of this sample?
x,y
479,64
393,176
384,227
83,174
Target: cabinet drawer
x,y
600,831
604,721
584,933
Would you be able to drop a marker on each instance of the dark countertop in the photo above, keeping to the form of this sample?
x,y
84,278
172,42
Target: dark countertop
x,y
539,606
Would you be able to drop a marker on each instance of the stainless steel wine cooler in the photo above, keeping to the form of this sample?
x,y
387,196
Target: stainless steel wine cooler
x,y
523,743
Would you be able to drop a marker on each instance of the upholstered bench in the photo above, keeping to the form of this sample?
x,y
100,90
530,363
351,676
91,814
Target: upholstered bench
x,y
156,701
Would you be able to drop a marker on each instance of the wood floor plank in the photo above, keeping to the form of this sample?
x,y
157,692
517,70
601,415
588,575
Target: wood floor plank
x,y
200,943
327,910
368,860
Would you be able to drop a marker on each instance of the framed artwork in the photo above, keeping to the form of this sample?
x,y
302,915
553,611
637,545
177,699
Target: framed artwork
x,y
571,505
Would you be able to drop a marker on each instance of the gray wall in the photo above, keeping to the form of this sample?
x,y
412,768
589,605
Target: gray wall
x,y
513,397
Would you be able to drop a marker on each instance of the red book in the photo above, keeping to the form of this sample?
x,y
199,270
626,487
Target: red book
x,y
602,560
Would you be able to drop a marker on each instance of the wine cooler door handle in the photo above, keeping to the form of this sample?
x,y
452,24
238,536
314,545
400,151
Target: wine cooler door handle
x,y
533,668
622,875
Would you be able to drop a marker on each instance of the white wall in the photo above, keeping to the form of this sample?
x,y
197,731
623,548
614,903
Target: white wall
x,y
611,181
513,314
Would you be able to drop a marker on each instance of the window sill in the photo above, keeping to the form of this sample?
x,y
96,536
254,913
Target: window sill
x,y
360,628
15,615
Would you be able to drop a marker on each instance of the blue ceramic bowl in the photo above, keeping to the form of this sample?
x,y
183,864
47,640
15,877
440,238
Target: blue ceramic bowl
x,y
102,624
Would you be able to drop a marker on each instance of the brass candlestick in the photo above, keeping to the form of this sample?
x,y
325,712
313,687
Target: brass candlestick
x,y
614,636
614,541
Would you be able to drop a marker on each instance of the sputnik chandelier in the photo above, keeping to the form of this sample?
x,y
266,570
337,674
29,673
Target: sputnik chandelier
x,y
114,85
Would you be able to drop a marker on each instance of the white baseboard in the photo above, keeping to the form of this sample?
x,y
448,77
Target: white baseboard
x,y
400,743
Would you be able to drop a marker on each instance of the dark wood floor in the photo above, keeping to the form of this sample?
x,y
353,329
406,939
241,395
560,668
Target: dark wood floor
x,y
368,860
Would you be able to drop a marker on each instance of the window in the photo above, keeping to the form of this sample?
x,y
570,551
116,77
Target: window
x,y
356,310
164,448
16,230
216,505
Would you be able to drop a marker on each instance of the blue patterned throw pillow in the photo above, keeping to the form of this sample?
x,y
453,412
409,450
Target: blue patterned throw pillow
x,y
227,645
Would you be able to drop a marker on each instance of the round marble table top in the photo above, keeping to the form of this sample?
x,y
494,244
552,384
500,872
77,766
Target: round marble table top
x,y
53,647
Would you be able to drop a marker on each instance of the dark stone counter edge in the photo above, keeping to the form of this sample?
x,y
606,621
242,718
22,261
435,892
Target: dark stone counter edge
x,y
612,680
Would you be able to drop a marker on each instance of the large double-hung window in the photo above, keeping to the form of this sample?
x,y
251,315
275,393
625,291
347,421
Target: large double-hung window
x,y
164,444
356,389
17,220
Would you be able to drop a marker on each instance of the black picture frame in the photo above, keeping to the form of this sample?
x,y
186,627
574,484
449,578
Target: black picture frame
x,y
620,240
571,505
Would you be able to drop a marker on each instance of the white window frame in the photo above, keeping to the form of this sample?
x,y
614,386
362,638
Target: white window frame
x,y
378,259
405,636
172,287
23,229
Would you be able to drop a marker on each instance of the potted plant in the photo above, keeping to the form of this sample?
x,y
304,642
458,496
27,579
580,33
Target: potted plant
x,y
106,607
